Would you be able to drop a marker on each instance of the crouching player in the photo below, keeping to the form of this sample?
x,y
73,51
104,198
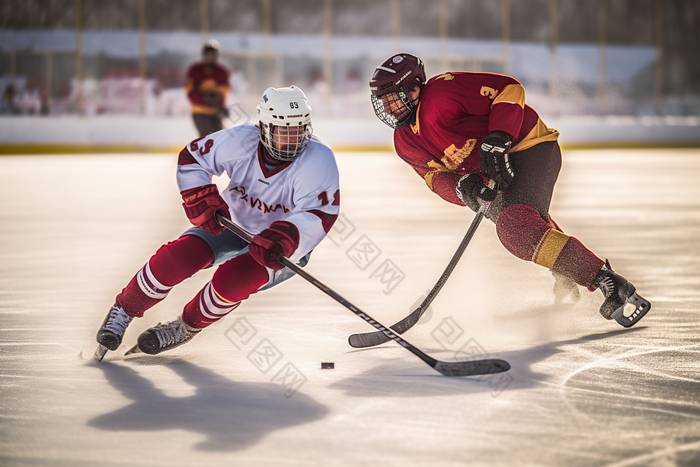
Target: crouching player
x,y
283,189
472,138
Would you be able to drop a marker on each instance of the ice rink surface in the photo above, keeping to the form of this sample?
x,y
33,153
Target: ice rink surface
x,y
249,390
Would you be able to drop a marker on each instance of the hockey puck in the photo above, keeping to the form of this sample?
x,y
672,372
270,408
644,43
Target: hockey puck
x,y
327,365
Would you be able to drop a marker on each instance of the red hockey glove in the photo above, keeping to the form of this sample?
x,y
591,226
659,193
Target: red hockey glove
x,y
471,188
201,205
495,163
281,238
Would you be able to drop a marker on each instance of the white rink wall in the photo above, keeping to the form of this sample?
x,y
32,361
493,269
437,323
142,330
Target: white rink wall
x,y
165,133
162,132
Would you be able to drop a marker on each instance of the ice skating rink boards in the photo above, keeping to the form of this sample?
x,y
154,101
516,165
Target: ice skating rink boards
x,y
250,390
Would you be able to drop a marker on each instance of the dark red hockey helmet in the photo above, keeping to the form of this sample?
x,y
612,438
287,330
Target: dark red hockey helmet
x,y
389,85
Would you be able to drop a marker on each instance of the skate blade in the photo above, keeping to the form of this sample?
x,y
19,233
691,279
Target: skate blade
x,y
100,352
134,350
641,308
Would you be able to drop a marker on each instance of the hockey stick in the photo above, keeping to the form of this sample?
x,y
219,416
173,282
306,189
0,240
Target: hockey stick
x,y
370,339
470,368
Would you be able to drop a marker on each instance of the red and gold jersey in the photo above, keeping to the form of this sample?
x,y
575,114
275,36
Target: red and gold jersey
x,y
207,87
457,110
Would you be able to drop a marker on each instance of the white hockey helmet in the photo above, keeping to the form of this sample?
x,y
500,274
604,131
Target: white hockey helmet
x,y
285,122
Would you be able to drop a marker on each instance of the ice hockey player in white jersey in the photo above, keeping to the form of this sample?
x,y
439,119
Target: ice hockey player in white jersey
x,y
283,189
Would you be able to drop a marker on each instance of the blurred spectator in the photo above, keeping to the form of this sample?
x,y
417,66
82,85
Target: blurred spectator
x,y
44,108
28,102
8,100
207,85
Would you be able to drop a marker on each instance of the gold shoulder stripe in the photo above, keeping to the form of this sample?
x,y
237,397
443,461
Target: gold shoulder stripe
x,y
539,134
513,93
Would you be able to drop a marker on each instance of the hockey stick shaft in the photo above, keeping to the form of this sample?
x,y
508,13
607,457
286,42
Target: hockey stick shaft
x,y
446,368
370,339
456,257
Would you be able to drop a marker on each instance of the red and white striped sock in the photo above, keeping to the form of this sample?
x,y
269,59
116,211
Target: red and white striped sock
x,y
206,308
172,264
233,282
150,285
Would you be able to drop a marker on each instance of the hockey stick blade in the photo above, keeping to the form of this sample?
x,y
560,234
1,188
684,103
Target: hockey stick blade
x,y
100,352
371,339
471,368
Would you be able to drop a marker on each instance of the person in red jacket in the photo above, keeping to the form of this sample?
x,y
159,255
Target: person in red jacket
x,y
472,138
207,85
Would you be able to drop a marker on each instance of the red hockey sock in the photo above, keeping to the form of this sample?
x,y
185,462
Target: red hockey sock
x,y
233,282
173,263
526,235
578,263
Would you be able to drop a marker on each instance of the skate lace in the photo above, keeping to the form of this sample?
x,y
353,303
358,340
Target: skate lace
x,y
117,320
607,286
170,333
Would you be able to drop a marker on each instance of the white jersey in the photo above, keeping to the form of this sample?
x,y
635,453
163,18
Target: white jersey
x,y
304,192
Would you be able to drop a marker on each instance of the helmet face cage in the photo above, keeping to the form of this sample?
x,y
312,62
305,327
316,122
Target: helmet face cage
x,y
285,122
285,147
401,110
389,85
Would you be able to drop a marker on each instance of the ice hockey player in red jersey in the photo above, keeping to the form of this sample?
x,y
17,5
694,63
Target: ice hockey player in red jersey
x,y
207,85
472,138
283,189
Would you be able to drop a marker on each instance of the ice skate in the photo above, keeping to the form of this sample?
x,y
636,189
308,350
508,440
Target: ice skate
x,y
619,292
110,334
112,330
166,336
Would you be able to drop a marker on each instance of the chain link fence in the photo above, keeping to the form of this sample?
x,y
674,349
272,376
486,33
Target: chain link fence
x,y
575,57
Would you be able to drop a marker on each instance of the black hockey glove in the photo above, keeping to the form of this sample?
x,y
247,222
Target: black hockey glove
x,y
494,159
471,188
223,112
211,98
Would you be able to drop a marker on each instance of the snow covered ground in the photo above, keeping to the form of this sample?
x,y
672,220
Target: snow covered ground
x,y
249,390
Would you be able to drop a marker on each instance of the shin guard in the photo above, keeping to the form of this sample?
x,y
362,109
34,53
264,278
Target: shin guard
x,y
526,235
172,264
206,308
232,283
